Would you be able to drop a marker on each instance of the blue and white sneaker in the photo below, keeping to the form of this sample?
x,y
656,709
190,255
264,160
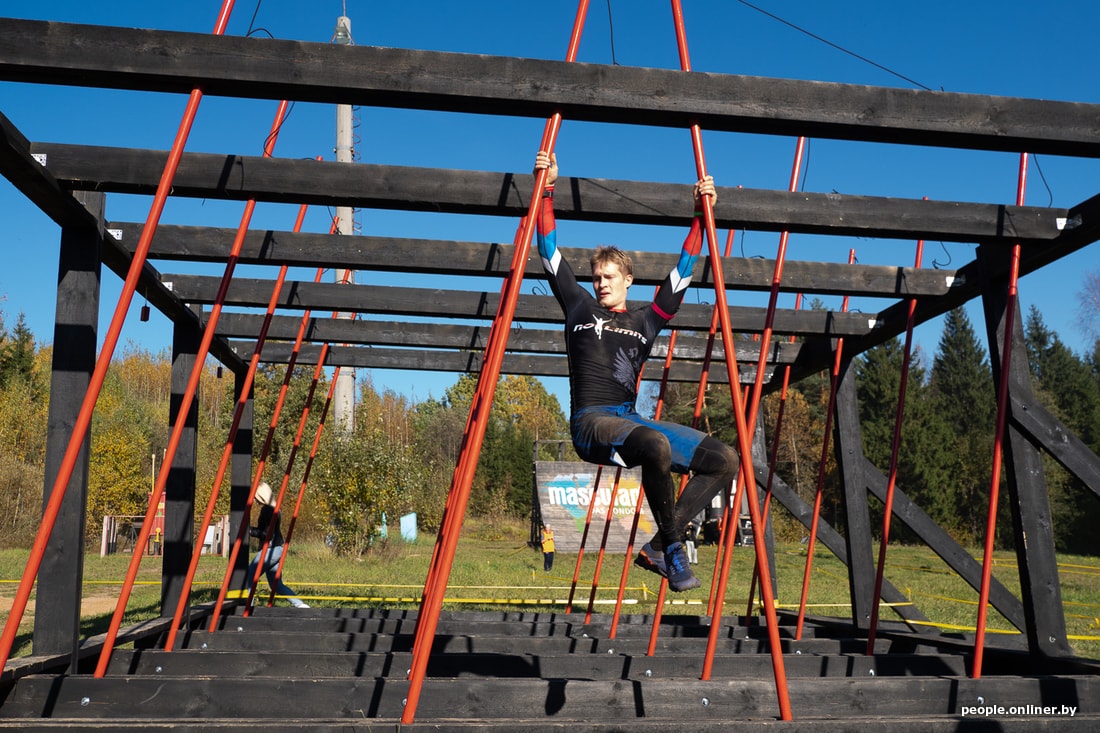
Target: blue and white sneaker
x,y
678,569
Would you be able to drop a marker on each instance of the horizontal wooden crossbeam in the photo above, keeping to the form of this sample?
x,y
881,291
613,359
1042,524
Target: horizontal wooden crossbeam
x,y
153,60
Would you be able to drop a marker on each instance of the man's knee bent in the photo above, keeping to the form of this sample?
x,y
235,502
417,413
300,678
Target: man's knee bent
x,y
715,458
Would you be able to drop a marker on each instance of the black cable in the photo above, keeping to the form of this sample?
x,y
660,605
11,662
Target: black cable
x,y
1050,194
611,28
837,47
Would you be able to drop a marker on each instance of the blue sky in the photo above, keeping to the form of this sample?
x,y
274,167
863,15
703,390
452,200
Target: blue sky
x,y
1009,47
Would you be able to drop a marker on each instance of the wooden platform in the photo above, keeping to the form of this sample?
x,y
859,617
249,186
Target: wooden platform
x,y
345,669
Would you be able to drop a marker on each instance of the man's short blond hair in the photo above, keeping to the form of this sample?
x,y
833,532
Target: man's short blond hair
x,y
605,254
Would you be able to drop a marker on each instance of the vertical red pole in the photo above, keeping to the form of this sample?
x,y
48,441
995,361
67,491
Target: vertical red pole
x,y
103,361
838,357
998,439
743,436
458,495
892,475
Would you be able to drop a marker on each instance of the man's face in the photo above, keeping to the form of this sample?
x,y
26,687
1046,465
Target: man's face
x,y
609,284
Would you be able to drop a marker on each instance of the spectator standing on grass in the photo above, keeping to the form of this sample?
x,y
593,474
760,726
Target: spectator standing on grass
x,y
547,547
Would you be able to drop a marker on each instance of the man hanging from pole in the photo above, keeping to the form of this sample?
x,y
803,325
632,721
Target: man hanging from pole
x,y
607,344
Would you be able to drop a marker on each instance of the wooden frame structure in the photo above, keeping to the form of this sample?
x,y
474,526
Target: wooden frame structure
x,y
61,178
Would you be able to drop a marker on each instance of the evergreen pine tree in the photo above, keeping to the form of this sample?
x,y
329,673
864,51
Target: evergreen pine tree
x,y
962,394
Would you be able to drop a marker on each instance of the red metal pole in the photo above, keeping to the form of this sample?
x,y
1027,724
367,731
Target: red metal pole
x,y
772,462
895,448
458,494
103,362
584,539
837,359
185,405
743,437
603,546
998,440
700,400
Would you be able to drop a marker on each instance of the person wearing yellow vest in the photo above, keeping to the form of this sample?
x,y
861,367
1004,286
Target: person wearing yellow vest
x,y
547,548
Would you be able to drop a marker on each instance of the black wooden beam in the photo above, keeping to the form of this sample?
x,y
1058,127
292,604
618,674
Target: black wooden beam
x,y
428,256
423,302
125,58
440,360
234,177
946,548
1048,432
410,334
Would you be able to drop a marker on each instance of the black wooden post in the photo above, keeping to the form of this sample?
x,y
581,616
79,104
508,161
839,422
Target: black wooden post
x,y
760,463
179,491
848,448
1040,589
241,477
57,598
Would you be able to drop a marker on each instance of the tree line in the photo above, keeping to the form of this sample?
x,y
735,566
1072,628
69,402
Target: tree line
x,y
400,455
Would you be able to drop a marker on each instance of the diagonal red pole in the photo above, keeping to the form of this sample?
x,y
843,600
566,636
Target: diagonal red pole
x,y
772,461
227,451
185,405
458,495
242,532
603,546
305,478
998,439
838,357
697,414
895,449
316,442
103,362
584,540
743,435
318,370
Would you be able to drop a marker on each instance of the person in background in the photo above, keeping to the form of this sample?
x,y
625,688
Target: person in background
x,y
274,553
690,537
547,547
607,343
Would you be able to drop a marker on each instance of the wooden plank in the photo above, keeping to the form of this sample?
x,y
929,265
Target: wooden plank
x,y
235,177
422,302
610,701
1047,431
152,60
425,256
690,346
946,548
848,451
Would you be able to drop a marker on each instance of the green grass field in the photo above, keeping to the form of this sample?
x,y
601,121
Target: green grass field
x,y
494,568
